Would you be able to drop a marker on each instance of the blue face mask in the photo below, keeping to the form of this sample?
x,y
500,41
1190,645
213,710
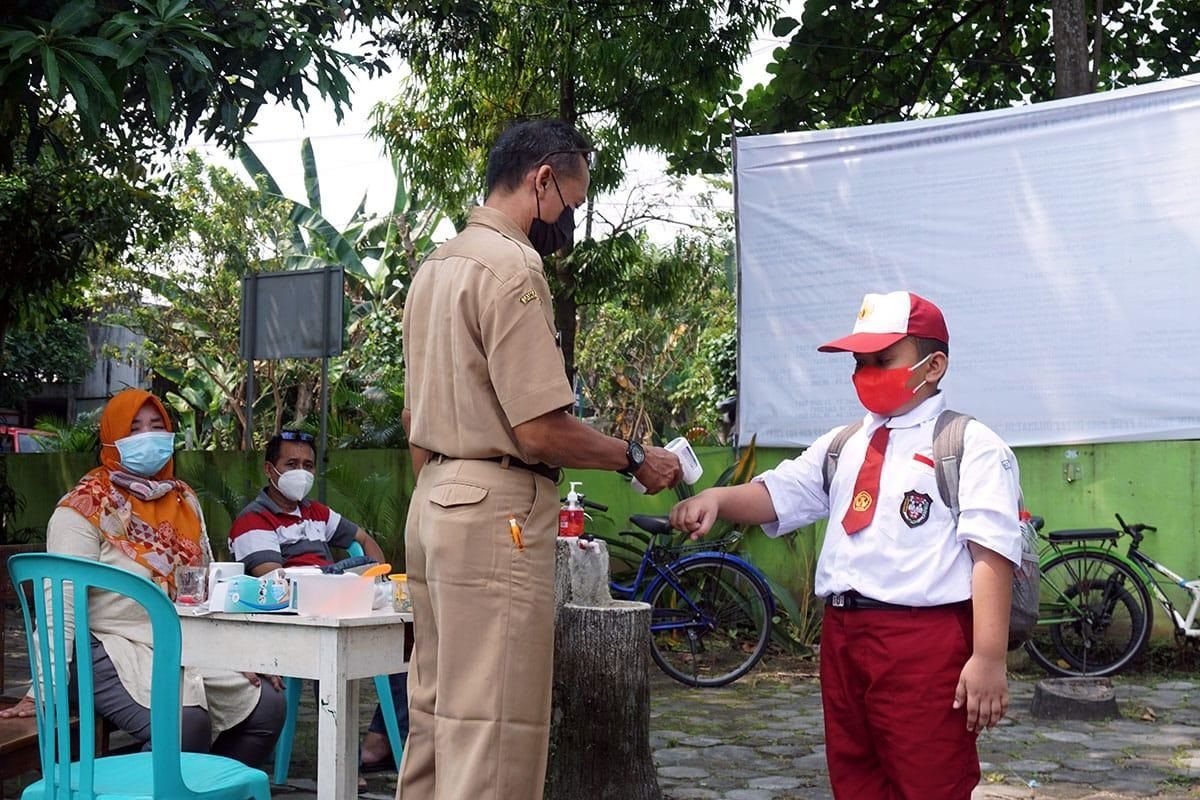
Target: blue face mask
x,y
146,453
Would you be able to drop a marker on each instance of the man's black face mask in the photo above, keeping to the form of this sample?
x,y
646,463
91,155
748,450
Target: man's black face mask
x,y
548,238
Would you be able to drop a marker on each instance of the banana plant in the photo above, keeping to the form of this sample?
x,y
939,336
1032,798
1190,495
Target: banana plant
x,y
378,253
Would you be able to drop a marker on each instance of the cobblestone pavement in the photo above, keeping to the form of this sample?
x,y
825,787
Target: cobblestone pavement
x,y
761,739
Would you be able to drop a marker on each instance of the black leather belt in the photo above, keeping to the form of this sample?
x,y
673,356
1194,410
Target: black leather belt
x,y
853,601
508,462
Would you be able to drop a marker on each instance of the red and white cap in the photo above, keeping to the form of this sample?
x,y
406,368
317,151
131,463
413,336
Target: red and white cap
x,y
885,319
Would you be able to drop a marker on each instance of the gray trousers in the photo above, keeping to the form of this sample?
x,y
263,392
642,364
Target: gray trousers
x,y
250,741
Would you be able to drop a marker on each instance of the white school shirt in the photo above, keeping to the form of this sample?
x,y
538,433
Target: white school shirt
x,y
912,553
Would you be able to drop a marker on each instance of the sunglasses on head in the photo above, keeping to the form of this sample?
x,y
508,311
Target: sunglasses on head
x,y
296,436
588,155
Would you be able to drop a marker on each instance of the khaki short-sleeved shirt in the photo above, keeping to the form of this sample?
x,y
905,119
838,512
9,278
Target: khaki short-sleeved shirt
x,y
480,351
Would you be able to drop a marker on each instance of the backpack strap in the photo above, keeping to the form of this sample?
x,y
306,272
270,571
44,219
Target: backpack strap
x,y
949,434
835,450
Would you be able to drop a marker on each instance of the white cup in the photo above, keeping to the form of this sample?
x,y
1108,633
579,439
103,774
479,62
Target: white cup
x,y
692,470
223,570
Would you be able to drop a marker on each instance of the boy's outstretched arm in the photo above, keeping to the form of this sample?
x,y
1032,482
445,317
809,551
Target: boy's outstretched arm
x,y
983,683
747,504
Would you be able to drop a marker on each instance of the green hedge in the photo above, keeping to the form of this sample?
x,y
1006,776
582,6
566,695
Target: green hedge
x,y
1153,482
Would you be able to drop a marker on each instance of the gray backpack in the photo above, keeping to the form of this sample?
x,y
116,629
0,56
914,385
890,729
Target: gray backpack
x,y
948,444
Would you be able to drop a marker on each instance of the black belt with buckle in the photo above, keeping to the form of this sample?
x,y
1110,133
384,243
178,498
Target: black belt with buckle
x,y
853,601
545,470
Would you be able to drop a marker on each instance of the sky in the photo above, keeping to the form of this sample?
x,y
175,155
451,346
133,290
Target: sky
x,y
349,163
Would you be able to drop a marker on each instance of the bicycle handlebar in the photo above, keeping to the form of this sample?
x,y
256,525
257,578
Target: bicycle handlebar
x,y
588,504
1136,528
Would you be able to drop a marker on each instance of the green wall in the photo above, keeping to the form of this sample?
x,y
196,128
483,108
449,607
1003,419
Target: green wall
x,y
1152,482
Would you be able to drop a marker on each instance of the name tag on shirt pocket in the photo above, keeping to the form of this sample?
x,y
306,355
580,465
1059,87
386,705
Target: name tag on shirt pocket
x,y
450,495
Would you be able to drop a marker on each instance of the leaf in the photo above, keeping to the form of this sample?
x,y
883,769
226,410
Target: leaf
x,y
258,170
93,77
312,183
784,26
132,52
159,88
79,92
94,45
74,17
50,68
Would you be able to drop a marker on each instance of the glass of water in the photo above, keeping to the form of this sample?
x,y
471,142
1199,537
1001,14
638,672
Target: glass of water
x,y
191,585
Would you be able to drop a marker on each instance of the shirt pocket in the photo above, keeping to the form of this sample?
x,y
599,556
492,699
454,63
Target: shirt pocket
x,y
913,512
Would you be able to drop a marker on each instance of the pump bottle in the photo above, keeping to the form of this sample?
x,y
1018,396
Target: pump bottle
x,y
570,516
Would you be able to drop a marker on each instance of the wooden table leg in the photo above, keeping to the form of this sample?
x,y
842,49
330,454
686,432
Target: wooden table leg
x,y
337,734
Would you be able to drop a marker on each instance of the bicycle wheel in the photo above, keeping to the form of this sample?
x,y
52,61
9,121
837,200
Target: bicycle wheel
x,y
1094,616
712,624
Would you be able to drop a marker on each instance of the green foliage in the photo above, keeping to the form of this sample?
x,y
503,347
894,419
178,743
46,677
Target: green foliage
x,y
378,255
80,436
62,219
648,358
58,354
618,70
859,62
185,296
139,76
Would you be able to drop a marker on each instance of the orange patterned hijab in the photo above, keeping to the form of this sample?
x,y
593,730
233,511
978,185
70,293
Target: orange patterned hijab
x,y
154,521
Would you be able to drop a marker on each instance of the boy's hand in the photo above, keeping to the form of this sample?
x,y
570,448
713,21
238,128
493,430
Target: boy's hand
x,y
983,689
696,515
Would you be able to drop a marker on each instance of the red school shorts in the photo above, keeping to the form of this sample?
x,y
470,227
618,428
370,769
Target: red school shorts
x,y
887,685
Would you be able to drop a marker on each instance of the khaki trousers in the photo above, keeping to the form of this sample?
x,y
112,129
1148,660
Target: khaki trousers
x,y
483,618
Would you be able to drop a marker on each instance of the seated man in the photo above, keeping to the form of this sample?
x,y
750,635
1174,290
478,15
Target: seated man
x,y
280,528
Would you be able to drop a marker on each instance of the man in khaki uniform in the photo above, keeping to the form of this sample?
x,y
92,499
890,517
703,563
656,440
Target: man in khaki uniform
x,y
486,408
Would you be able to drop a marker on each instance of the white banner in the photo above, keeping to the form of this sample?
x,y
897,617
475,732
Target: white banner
x,y
1061,240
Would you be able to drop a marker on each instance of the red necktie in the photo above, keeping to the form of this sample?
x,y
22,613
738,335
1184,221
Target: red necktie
x,y
866,486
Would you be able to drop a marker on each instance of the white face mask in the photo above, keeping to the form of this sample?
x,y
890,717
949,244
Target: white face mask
x,y
294,484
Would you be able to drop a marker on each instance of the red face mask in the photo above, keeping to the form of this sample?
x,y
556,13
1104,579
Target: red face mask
x,y
884,390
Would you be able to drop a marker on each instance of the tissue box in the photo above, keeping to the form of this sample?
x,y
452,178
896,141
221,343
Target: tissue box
x,y
246,594
332,595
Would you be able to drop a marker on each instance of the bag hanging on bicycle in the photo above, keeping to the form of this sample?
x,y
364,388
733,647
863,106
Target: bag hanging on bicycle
x,y
949,435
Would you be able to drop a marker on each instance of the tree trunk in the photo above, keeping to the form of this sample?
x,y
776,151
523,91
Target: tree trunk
x,y
600,721
566,317
1074,698
1071,75
600,734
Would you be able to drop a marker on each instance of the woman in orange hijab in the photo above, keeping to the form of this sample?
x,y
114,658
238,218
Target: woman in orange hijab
x,y
132,512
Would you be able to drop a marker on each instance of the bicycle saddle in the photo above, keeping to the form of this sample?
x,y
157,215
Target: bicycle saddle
x,y
651,524
1083,535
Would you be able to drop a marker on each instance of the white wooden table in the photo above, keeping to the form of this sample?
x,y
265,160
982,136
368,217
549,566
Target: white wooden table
x,y
336,652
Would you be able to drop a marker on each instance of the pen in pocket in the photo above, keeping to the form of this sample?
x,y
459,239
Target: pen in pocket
x,y
515,530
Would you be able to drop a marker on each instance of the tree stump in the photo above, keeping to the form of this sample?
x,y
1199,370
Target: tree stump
x,y
600,720
1074,698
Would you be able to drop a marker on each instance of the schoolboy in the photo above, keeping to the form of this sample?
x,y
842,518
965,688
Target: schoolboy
x,y
916,601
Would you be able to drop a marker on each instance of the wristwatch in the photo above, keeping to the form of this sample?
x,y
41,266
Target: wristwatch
x,y
635,455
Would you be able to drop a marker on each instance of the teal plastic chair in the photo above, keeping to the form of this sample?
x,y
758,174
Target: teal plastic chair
x,y
292,688
164,773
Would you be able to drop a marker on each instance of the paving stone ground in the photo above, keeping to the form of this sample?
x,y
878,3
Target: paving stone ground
x,y
761,739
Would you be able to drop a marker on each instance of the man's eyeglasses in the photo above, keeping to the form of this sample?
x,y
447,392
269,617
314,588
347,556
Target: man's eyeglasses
x,y
588,155
296,436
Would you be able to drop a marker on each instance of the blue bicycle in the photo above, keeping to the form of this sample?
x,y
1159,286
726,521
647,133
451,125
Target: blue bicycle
x,y
711,611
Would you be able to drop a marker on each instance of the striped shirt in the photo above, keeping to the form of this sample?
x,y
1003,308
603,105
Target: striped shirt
x,y
264,533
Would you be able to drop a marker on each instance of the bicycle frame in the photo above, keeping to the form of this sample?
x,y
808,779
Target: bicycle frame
x,y
665,573
1183,625
1141,565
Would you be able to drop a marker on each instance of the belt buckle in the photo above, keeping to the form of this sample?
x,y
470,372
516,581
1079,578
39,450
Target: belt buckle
x,y
837,600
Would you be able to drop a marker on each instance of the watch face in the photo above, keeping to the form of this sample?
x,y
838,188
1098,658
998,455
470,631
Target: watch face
x,y
636,454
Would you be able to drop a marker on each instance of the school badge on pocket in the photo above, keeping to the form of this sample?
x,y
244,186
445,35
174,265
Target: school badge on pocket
x,y
914,508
